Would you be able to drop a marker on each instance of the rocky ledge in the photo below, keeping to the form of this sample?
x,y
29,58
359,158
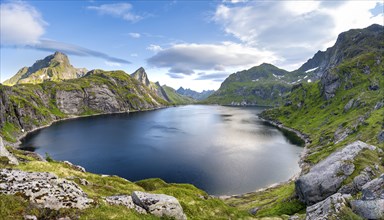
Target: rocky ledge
x,y
159,205
44,189
326,195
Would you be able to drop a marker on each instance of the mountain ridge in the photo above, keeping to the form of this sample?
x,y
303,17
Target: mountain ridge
x,y
55,67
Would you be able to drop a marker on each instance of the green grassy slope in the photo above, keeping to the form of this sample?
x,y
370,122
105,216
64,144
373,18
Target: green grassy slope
x,y
176,98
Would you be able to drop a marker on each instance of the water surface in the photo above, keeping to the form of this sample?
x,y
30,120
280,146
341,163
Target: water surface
x,y
222,150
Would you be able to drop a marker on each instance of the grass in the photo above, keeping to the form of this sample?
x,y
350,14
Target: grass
x,y
195,202
276,201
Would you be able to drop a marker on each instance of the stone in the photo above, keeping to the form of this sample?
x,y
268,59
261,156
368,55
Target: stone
x,y
380,137
349,105
327,208
159,205
126,201
30,217
254,210
325,178
5,153
75,167
44,189
371,205
369,209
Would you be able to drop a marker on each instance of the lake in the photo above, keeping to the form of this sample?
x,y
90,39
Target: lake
x,y
222,150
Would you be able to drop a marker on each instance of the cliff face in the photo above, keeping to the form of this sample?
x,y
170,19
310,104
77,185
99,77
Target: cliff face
x,y
30,106
55,67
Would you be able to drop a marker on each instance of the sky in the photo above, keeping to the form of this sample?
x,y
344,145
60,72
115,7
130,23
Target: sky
x,y
194,44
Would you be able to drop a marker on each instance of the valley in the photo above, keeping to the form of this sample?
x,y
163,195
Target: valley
x,y
335,99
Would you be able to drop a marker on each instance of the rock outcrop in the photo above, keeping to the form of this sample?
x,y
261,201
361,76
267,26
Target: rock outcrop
x,y
330,208
5,153
325,178
44,189
126,201
159,205
371,205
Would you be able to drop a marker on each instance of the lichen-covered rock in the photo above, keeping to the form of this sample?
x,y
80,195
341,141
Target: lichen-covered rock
x,y
5,153
328,208
125,200
75,167
371,205
159,204
325,178
45,189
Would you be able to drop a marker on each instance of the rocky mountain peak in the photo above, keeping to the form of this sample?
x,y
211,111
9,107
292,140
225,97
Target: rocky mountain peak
x,y
141,76
55,67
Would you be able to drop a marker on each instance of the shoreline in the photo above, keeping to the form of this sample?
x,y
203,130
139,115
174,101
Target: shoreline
x,y
301,162
302,136
70,117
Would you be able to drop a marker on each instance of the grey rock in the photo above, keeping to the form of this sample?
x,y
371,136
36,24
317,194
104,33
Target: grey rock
x,y
328,208
30,217
330,82
126,201
254,210
374,189
379,105
159,205
76,167
373,87
349,105
5,153
369,209
371,205
325,178
380,137
45,189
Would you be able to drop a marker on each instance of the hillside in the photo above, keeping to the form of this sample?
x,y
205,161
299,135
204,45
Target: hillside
x,y
176,97
260,85
28,106
55,67
267,84
165,92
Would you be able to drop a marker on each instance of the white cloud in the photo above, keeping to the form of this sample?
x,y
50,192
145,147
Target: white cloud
x,y
134,55
154,48
20,24
186,58
134,35
120,10
293,30
112,64
50,45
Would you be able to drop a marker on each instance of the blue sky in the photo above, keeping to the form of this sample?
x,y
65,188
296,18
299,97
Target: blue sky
x,y
194,44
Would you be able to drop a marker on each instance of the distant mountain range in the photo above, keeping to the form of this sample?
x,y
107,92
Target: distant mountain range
x,y
195,95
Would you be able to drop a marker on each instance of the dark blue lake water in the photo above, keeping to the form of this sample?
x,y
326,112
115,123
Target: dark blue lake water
x,y
222,150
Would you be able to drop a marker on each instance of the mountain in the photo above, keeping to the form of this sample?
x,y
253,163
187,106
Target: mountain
x,y
267,84
29,106
349,44
165,92
55,67
176,97
195,95
260,85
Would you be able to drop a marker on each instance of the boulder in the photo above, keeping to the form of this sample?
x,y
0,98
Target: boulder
x,y
371,205
380,137
75,167
325,178
159,205
126,201
45,189
5,153
327,209
369,209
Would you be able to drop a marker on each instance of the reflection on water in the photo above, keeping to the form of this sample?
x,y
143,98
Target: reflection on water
x,y
223,150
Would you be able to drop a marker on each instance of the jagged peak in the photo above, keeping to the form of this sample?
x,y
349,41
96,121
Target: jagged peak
x,y
141,76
